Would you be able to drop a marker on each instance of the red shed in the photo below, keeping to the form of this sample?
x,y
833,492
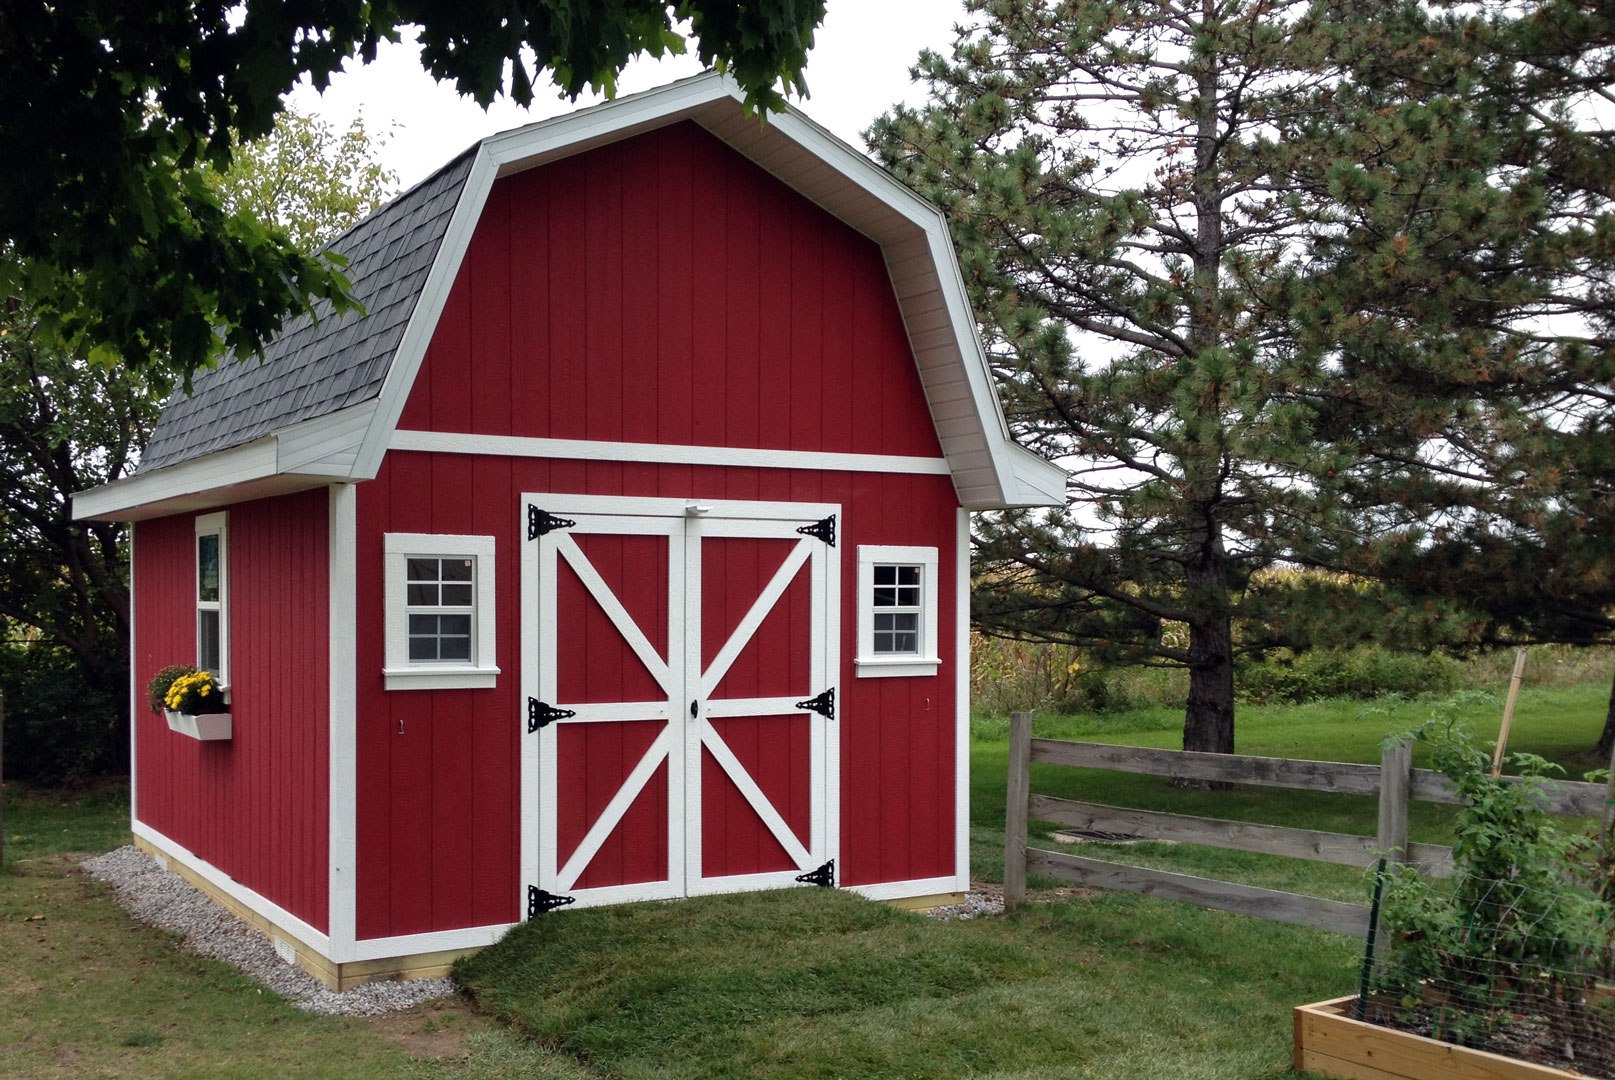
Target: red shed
x,y
619,551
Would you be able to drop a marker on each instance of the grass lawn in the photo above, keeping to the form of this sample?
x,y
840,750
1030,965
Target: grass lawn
x,y
805,983
86,991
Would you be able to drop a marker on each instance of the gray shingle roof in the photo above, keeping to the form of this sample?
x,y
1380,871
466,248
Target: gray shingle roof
x,y
320,363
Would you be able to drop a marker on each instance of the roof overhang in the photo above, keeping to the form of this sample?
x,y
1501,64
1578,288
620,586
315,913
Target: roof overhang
x,y
988,468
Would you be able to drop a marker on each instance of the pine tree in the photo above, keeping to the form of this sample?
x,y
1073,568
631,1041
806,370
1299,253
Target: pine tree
x,y
1126,227
1467,303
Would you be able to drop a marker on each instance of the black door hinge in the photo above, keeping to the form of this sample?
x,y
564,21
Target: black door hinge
x,y
539,901
540,713
824,704
823,530
540,522
824,876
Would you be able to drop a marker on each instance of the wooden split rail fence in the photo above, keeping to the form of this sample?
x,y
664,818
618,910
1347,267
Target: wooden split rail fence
x,y
1394,781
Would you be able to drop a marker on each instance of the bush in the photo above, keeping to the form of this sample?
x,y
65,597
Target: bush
x,y
58,728
1363,673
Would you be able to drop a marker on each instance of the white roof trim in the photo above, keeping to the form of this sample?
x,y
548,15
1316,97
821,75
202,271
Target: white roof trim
x,y
988,468
307,455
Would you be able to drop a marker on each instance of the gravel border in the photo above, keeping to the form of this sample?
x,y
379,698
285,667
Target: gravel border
x,y
981,900
164,900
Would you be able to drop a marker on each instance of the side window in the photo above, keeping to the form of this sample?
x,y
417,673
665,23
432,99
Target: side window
x,y
897,611
213,596
440,603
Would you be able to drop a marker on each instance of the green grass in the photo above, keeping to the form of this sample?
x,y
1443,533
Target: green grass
x,y
819,984
86,991
805,983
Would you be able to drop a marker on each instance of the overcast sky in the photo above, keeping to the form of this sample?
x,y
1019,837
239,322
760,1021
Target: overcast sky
x,y
858,68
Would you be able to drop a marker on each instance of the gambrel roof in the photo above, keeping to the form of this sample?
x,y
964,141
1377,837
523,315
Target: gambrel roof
x,y
323,404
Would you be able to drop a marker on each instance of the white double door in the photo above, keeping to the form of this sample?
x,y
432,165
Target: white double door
x,y
679,661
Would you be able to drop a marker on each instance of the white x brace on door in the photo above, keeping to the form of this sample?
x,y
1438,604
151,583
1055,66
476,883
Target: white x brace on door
x,y
680,662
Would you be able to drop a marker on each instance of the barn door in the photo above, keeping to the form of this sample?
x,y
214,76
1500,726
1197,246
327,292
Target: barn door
x,y
680,665
759,664
610,676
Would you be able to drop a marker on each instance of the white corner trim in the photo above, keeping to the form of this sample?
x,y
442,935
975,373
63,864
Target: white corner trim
x,y
248,898
444,442
867,662
483,669
342,720
137,707
961,691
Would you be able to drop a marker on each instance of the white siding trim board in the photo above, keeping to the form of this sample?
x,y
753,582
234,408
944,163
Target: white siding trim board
x,y
667,453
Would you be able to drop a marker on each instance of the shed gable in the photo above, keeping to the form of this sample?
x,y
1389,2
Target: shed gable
x,y
665,289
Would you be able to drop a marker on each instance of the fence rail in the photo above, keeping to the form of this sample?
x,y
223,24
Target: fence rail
x,y
1393,781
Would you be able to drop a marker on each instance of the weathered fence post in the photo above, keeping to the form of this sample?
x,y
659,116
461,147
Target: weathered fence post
x,y
1020,794
1395,789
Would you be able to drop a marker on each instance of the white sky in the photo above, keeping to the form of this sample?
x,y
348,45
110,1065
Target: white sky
x,y
858,68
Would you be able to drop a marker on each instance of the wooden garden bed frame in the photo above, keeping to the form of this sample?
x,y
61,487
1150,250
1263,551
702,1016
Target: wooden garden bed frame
x,y
1330,1042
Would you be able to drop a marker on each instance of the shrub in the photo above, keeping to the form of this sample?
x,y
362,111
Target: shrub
x,y
1365,672
59,729
1519,928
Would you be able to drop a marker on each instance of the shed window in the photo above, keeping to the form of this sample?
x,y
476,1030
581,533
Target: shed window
x,y
897,611
440,611
212,597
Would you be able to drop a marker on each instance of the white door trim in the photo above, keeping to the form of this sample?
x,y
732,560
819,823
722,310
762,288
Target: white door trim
x,y
684,522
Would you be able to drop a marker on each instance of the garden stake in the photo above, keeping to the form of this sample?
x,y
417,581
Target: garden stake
x,y
1368,945
1508,711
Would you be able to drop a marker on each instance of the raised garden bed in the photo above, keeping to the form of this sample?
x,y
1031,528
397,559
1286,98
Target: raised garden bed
x,y
1330,1043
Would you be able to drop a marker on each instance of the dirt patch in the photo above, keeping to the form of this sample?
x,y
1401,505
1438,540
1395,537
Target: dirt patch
x,y
440,1030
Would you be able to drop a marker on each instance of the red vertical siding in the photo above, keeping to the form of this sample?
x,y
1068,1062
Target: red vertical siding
x,y
673,292
256,807
446,783
661,289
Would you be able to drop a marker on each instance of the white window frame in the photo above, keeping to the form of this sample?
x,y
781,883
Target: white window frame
x,y
399,672
870,664
213,525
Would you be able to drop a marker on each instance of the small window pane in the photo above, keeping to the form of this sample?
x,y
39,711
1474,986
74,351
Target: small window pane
x,y
885,597
907,575
422,595
454,648
457,569
207,567
454,624
422,648
423,624
422,570
207,641
885,575
897,632
456,596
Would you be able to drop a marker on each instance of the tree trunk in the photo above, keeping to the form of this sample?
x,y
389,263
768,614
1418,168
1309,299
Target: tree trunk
x,y
1606,741
1208,722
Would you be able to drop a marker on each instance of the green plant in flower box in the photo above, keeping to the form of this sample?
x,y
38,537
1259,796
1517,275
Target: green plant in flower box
x,y
197,693
157,687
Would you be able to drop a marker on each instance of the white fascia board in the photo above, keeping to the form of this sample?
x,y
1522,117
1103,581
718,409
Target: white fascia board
x,y
549,140
306,455
126,499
